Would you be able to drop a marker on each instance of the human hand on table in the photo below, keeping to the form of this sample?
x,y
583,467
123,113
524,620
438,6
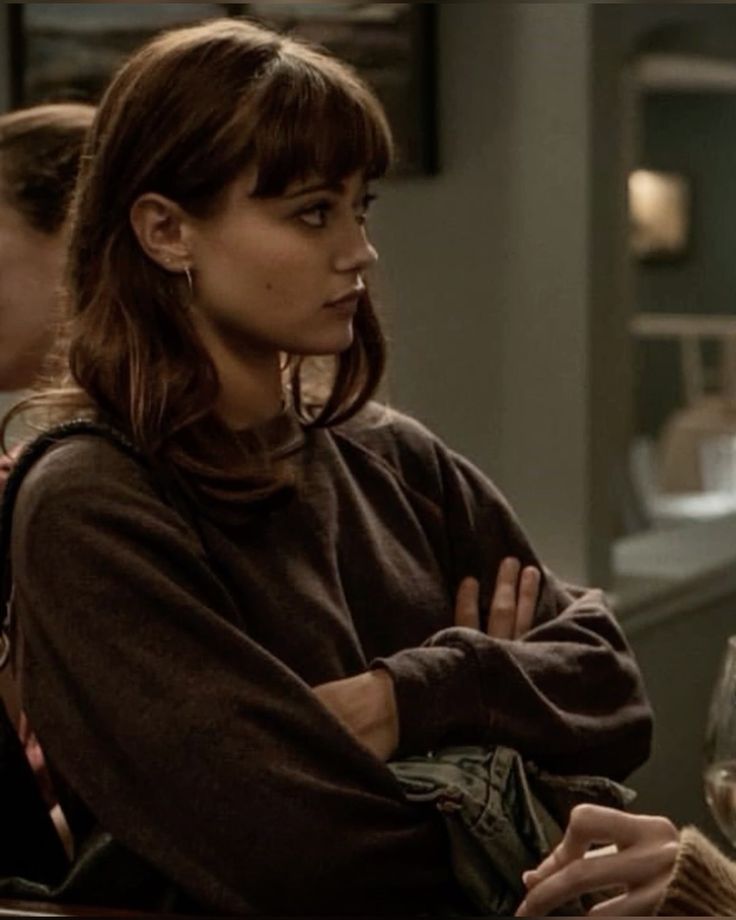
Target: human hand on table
x,y
512,607
647,847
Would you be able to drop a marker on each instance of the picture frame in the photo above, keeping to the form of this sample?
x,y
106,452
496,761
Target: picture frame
x,y
660,215
63,51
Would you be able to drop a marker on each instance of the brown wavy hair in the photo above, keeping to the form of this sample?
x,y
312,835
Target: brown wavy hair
x,y
184,117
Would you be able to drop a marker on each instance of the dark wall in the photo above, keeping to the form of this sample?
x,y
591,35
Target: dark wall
x,y
693,134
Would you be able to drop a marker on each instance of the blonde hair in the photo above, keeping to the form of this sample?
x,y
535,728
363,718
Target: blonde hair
x,y
39,159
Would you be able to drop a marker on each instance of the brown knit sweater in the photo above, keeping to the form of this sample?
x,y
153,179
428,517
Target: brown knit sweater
x,y
168,667
703,882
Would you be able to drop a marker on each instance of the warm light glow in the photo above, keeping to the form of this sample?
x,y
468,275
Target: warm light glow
x,y
659,209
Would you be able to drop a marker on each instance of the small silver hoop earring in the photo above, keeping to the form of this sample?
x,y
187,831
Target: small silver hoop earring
x,y
188,273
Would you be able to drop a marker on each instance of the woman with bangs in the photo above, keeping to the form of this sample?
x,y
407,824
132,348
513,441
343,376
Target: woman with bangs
x,y
265,586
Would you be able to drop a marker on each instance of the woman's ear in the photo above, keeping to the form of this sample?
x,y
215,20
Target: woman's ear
x,y
160,226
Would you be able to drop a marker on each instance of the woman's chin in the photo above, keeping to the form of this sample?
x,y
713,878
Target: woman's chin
x,y
327,345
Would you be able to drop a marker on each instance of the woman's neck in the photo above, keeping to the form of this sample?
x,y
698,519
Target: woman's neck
x,y
251,389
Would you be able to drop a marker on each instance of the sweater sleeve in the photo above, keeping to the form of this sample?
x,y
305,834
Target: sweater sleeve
x,y
568,695
190,743
703,881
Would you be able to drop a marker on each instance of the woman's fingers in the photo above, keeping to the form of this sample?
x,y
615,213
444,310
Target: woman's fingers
x,y
585,876
596,824
564,853
647,851
588,825
513,604
639,903
467,612
502,613
526,607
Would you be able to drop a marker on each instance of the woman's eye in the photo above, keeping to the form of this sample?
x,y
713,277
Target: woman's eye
x,y
316,214
365,206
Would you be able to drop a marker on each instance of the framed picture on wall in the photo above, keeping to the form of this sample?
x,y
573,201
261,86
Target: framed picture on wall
x,y
69,51
660,205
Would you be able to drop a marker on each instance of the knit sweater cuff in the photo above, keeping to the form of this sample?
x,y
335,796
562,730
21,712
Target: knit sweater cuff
x,y
438,696
703,881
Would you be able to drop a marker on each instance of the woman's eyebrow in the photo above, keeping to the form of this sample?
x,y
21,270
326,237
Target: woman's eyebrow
x,y
338,187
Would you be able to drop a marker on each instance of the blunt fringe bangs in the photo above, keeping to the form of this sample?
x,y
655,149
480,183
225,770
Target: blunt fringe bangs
x,y
184,117
309,124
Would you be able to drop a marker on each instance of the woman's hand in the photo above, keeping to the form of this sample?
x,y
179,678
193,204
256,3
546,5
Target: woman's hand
x,y
511,612
366,706
647,848
366,703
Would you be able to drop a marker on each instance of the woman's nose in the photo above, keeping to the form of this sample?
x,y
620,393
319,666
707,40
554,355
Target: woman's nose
x,y
358,256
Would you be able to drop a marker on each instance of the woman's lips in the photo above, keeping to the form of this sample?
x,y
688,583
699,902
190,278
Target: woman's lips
x,y
348,300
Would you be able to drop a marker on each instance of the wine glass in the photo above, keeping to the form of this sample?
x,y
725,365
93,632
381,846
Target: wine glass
x,y
720,747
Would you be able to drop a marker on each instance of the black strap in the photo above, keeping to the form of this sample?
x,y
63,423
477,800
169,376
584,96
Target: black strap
x,y
31,453
29,844
33,864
